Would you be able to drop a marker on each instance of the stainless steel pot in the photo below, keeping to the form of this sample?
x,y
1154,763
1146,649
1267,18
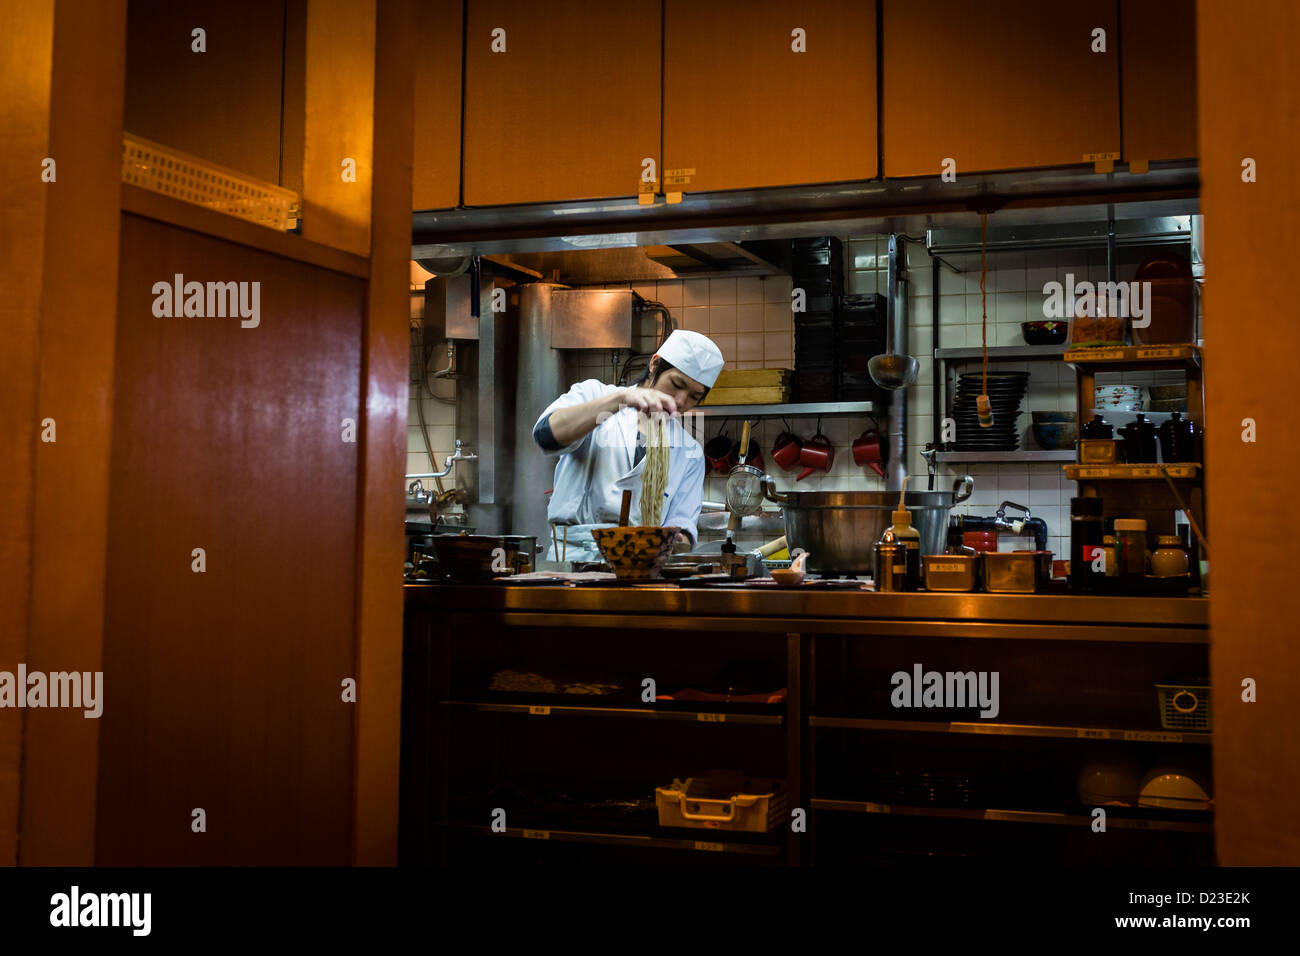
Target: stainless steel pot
x,y
838,529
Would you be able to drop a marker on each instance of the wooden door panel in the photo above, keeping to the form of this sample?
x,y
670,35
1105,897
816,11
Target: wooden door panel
x,y
1159,56
436,183
569,110
743,110
1004,84
223,688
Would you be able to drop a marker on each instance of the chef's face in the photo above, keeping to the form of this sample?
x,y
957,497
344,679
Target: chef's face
x,y
686,392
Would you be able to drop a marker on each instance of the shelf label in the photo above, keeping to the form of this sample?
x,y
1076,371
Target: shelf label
x,y
877,808
537,834
1011,815
711,718
1103,355
679,177
706,845
540,709
1159,353
1153,735
1097,157
1091,733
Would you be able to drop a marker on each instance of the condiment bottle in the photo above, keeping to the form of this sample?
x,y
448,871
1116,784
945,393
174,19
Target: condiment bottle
x,y
1169,559
1131,547
1085,545
910,540
891,564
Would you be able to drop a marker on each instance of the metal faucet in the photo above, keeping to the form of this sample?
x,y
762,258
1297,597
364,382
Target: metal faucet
x,y
448,463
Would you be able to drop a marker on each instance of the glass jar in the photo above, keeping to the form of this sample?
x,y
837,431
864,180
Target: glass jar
x,y
1131,547
1169,559
1108,549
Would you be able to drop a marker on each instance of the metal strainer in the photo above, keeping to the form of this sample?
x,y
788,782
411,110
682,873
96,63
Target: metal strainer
x,y
744,483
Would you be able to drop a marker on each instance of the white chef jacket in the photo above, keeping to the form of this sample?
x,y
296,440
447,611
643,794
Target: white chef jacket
x,y
593,472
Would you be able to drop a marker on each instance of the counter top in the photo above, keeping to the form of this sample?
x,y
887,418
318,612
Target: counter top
x,y
1068,612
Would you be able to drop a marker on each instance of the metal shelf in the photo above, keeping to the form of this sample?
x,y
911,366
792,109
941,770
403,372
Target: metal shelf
x,y
713,845
1003,352
1014,730
787,411
1113,818
1067,454
643,713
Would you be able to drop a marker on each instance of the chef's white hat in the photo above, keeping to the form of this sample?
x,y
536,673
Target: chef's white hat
x,y
694,354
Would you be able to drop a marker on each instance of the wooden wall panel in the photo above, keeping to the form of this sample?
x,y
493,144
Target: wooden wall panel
x,y
75,375
26,58
224,687
222,105
569,110
440,32
1252,339
743,110
1158,39
997,85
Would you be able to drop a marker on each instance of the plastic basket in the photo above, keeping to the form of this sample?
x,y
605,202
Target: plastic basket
x,y
168,171
1184,706
721,801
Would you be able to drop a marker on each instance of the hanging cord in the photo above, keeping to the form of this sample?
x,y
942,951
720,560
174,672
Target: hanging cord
x,y
983,406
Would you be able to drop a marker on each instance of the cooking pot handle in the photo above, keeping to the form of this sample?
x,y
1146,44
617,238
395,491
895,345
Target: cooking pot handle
x,y
962,488
769,489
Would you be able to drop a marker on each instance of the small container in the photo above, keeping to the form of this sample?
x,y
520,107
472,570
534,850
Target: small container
x,y
1108,549
1178,439
1100,451
910,539
1169,559
1131,548
1139,440
723,801
891,564
1016,572
1184,704
951,572
1097,428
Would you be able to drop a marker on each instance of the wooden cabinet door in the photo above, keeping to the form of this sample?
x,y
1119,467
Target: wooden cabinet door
x,y
743,109
436,172
221,104
1159,63
571,107
1002,84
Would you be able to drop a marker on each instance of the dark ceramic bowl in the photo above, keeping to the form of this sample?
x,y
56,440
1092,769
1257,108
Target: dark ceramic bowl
x,y
1055,436
1048,332
635,553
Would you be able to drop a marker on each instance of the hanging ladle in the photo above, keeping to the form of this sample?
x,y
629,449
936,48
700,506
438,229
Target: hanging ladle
x,y
891,369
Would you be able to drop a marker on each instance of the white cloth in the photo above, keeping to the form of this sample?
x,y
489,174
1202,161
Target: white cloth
x,y
694,354
593,471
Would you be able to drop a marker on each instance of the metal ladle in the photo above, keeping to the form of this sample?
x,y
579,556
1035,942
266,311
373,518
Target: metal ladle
x,y
892,370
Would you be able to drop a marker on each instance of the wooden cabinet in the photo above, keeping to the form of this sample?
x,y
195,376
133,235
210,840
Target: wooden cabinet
x,y
222,104
436,182
997,85
1159,63
742,109
569,108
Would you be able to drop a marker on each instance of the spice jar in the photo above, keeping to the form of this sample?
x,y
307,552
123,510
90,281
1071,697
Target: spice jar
x,y
1169,559
1108,549
1131,547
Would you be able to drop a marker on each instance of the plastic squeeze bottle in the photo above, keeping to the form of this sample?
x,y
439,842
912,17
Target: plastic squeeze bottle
x,y
909,538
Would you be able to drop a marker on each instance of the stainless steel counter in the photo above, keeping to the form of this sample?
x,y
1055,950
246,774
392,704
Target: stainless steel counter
x,y
1036,616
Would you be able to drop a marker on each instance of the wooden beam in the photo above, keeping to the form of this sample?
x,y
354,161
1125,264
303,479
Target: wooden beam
x,y
71,476
385,374
339,104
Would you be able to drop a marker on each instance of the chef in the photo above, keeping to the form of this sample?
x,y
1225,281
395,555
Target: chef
x,y
599,433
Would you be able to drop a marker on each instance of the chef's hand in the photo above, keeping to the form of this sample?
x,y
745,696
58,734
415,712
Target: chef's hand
x,y
648,400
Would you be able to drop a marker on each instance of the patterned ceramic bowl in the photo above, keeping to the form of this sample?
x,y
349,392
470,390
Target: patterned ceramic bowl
x,y
635,553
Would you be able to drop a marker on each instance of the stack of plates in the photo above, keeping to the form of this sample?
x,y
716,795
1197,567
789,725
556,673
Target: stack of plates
x,y
1006,389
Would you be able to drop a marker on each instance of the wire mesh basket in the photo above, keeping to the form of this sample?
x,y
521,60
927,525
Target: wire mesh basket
x,y
162,169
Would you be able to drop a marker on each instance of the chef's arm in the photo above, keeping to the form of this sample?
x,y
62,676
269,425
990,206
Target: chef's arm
x,y
574,422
